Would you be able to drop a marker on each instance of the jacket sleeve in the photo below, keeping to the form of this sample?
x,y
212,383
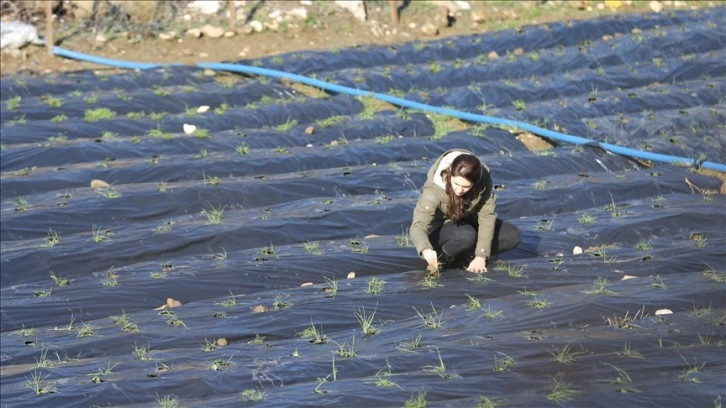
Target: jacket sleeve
x,y
423,217
486,218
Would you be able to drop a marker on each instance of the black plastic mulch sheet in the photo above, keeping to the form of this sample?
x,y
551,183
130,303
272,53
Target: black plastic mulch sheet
x,y
83,270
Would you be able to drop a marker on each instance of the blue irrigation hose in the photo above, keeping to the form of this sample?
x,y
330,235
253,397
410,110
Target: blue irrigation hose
x,y
472,117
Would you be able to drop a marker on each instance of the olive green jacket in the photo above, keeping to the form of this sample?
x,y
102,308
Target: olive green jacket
x,y
431,210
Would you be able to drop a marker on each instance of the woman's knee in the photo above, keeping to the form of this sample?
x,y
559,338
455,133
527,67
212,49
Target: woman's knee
x,y
509,236
457,238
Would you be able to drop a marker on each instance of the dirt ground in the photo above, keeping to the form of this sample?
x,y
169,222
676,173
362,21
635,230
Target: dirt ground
x,y
326,26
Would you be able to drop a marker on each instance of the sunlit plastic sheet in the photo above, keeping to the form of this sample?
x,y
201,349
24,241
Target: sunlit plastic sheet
x,y
350,186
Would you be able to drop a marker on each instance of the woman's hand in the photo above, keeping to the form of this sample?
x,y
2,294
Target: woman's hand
x,y
478,265
430,256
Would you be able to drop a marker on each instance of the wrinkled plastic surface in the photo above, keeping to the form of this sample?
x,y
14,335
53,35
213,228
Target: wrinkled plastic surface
x,y
351,189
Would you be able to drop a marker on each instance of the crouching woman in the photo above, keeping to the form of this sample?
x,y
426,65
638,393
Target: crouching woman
x,y
455,217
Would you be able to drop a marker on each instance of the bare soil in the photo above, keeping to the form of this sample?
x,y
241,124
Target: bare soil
x,y
326,27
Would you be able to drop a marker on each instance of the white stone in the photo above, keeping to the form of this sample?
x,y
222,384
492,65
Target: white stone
x,y
600,6
298,12
189,129
656,6
275,14
212,31
205,6
463,5
628,277
194,33
351,275
187,17
577,250
663,312
257,26
354,6
306,2
429,29
203,108
229,34
168,36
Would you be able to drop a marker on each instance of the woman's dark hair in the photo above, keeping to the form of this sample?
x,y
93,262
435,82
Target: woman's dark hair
x,y
469,167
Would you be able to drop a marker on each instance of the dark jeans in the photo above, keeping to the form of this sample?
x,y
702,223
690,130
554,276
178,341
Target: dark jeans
x,y
458,238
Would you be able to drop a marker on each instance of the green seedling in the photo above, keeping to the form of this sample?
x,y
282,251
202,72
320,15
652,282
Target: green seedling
x,y
59,118
561,390
658,283
323,380
404,239
289,124
110,192
332,288
714,275
357,246
502,362
383,377
375,286
43,361
59,281
167,401
313,248
94,115
123,321
253,395
473,303
211,180
231,302
409,346
26,332
102,372
431,320
53,238
416,401
258,340
13,103
486,402
440,369
585,218
280,302
242,149
219,364
545,225
201,133
599,287
643,245
214,215
99,235
141,353
160,134
492,314
85,331
689,374
21,204
627,321
628,352
565,355
312,333
39,384
699,312
613,209
621,380
346,351
366,321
